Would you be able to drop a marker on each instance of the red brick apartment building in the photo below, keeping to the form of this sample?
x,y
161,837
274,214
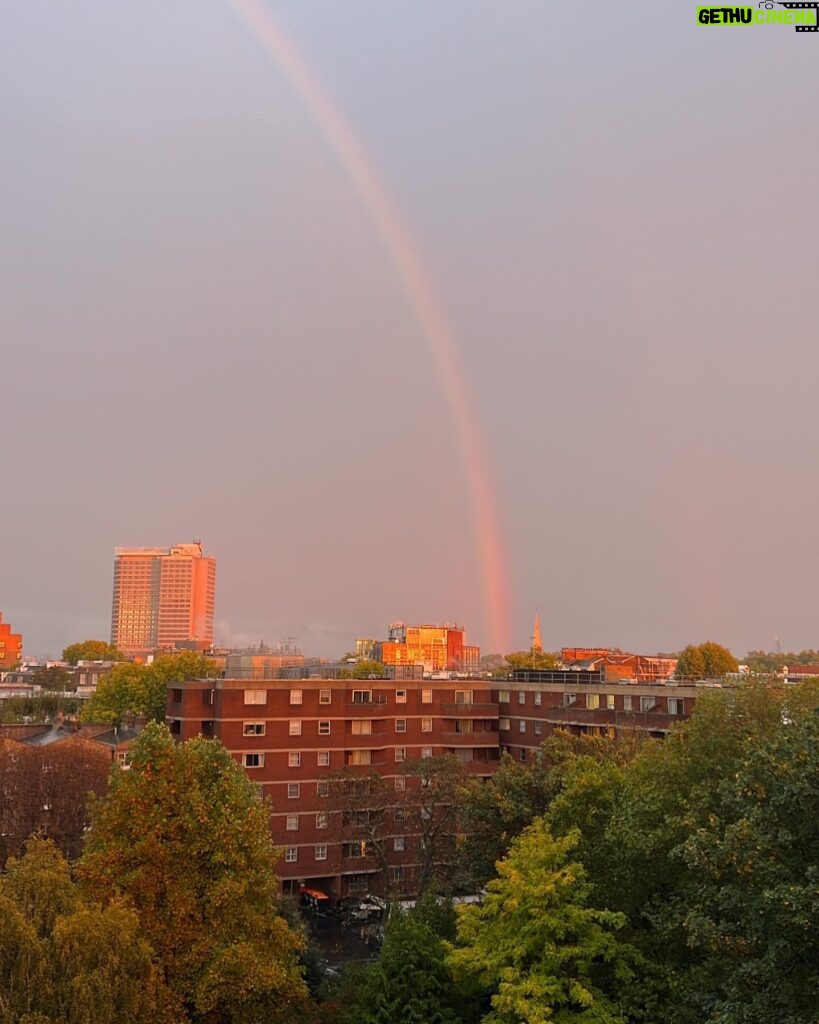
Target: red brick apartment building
x,y
533,704
290,735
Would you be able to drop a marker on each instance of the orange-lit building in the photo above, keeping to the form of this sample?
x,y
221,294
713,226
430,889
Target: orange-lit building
x,y
436,648
163,599
11,646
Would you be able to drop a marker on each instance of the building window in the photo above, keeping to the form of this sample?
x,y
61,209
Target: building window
x,y
323,758
362,696
253,729
592,701
359,757
398,844
292,822
538,699
647,703
627,702
504,724
293,790
463,696
675,706
322,819
295,696
324,728
521,696
356,849
522,725
398,873
400,753
400,696
569,698
503,697
464,725
523,753
295,727
400,784
255,696
538,728
426,751
399,815
400,725
610,701
253,760
426,696
321,852
361,726
325,696
426,725
323,788
291,854
294,759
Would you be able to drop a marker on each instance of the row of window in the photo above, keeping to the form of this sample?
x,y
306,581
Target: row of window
x,y
291,856
358,727
358,696
323,785
675,704
255,759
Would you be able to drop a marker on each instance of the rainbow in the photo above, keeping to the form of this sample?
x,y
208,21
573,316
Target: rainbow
x,y
421,295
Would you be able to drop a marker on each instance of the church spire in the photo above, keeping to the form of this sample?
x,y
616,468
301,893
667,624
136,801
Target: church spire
x,y
537,642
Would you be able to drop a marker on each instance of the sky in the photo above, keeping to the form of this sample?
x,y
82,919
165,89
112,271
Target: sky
x,y
204,333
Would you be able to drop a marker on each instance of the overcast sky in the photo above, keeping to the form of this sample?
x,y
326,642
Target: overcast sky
x,y
203,335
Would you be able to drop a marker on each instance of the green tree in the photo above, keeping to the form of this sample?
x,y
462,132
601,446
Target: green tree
x,y
119,692
752,913
534,658
53,679
364,670
183,836
534,943
706,661
62,962
635,827
167,669
494,812
91,650
410,982
142,689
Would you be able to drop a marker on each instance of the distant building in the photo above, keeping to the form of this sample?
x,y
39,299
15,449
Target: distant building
x,y
11,646
619,665
796,673
163,599
437,648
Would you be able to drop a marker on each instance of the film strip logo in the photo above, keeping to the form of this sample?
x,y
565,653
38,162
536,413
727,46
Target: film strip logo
x,y
798,7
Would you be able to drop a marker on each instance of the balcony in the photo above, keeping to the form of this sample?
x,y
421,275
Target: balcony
x,y
652,721
475,710
470,739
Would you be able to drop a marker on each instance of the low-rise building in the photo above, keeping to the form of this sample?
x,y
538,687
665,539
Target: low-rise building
x,y
294,736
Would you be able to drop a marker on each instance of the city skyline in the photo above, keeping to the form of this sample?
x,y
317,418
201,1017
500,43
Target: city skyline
x,y
389,305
